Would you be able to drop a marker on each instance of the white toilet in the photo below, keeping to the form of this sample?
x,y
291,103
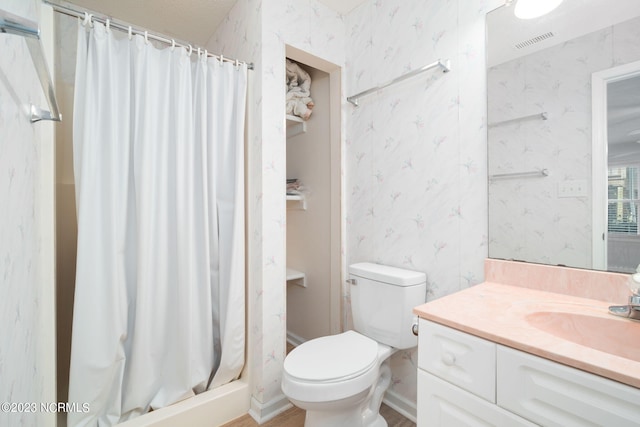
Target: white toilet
x,y
340,380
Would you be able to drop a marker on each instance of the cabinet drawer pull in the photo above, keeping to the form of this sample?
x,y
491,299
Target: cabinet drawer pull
x,y
448,359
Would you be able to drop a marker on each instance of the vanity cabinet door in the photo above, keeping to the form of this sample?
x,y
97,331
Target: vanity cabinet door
x,y
441,404
464,360
551,394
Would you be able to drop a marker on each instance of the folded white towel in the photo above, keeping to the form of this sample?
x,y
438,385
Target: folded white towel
x,y
298,96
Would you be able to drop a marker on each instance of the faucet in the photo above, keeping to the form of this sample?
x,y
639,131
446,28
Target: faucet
x,y
631,310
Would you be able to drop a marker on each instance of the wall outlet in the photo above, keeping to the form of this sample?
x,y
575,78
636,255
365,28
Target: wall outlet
x,y
573,188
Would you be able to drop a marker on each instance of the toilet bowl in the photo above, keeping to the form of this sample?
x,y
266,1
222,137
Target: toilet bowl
x,y
333,379
340,380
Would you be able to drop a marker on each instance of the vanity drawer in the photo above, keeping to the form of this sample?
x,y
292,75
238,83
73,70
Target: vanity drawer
x,y
441,404
464,360
551,394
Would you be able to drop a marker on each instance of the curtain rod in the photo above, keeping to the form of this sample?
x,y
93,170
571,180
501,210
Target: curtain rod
x,y
78,13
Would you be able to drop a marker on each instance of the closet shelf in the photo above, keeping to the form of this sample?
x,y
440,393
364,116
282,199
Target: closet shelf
x,y
298,198
295,126
296,277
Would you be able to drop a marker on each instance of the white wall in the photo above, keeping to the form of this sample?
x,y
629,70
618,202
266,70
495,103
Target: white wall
x,y
258,31
529,221
415,176
27,336
416,152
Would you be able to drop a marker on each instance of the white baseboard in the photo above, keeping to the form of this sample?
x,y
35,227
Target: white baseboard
x,y
294,339
401,404
263,412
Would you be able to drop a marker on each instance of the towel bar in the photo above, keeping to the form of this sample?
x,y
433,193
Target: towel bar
x,y
12,24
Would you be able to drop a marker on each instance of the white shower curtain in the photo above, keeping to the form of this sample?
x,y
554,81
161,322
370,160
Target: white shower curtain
x,y
158,161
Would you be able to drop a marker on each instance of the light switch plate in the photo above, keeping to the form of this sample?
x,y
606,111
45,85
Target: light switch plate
x,y
573,188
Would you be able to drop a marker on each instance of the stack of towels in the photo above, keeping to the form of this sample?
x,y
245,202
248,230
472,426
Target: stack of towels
x,y
294,187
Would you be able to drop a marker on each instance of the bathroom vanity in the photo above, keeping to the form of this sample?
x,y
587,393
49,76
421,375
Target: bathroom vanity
x,y
507,355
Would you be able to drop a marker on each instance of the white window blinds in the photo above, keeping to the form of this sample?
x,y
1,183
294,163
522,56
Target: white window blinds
x,y
623,200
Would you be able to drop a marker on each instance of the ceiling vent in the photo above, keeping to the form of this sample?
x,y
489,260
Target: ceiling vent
x,y
534,40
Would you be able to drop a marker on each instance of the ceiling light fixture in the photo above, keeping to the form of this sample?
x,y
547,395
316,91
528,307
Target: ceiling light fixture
x,y
528,9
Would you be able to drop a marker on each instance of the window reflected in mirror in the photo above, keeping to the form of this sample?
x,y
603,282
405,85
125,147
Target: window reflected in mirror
x,y
623,200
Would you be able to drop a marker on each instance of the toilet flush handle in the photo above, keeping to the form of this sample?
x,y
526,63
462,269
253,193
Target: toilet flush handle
x,y
414,328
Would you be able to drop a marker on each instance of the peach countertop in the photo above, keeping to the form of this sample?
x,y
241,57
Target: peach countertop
x,y
506,314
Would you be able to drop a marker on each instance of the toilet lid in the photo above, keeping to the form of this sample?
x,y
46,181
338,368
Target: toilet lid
x,y
336,357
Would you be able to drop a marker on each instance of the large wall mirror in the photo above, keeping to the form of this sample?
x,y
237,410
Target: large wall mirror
x,y
564,135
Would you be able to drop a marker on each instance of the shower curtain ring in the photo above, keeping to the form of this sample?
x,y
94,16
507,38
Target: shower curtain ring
x,y
221,59
130,33
87,19
190,49
173,45
108,24
146,37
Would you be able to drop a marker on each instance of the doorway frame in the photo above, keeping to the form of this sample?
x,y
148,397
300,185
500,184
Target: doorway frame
x,y
599,156
337,216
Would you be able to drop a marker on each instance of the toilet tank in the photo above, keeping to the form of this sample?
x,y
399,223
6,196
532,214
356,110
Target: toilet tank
x,y
382,300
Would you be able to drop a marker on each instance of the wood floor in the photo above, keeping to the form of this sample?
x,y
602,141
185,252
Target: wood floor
x,y
294,417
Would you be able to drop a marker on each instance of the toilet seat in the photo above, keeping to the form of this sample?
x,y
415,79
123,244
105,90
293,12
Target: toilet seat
x,y
331,367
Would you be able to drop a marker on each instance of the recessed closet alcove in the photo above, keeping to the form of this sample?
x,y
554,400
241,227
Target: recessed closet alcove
x,y
313,232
